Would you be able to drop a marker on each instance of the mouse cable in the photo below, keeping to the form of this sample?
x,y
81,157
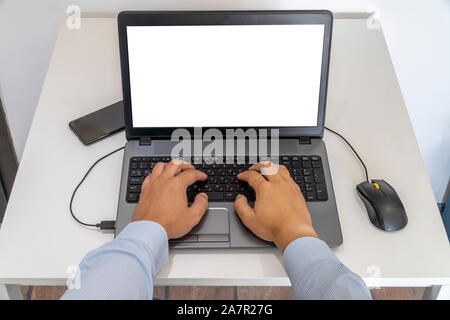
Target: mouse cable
x,y
103,225
356,153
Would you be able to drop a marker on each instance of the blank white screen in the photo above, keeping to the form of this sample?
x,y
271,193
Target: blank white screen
x,y
225,76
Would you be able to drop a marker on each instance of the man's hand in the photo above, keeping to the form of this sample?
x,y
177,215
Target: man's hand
x,y
280,213
164,200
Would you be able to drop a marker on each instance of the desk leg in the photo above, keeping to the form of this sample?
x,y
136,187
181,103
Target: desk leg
x,y
10,292
437,293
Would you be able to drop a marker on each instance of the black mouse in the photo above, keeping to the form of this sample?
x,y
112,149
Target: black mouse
x,y
383,205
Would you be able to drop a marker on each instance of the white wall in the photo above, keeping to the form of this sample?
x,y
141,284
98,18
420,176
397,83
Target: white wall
x,y
416,31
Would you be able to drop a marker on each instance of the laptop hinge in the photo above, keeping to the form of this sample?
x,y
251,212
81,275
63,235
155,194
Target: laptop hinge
x,y
145,141
304,140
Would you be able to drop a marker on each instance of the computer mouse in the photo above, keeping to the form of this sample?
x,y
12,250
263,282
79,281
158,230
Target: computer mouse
x,y
384,207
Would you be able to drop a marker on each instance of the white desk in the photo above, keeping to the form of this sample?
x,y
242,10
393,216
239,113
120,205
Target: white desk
x,y
39,240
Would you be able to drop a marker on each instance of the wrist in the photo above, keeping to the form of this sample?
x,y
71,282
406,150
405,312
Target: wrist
x,y
286,236
161,222
164,225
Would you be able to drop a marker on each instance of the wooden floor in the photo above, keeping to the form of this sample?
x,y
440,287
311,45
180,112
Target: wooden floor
x,y
227,293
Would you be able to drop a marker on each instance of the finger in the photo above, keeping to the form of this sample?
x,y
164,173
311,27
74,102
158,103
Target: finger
x,y
199,206
244,211
174,167
284,172
157,170
268,170
253,178
146,182
190,176
257,166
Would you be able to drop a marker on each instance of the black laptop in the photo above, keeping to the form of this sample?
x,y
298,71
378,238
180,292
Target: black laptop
x,y
259,73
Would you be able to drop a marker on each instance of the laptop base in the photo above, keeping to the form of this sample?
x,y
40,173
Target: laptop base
x,y
221,227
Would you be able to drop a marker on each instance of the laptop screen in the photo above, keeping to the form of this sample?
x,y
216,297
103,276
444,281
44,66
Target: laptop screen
x,y
225,76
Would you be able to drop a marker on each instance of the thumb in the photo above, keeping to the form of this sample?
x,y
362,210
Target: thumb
x,y
199,206
244,211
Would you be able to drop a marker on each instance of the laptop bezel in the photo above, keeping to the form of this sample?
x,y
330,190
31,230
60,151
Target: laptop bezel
x,y
177,18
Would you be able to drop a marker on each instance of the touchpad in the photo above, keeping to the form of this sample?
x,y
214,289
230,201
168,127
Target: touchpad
x,y
215,221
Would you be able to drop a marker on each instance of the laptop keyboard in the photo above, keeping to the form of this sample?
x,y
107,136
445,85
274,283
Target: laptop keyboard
x,y
222,184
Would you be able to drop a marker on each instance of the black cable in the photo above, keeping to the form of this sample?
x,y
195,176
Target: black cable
x,y
102,224
29,293
356,153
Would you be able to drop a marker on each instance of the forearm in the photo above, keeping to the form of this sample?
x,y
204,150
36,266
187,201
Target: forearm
x,y
125,267
316,273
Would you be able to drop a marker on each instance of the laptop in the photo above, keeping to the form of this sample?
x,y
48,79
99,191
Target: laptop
x,y
253,72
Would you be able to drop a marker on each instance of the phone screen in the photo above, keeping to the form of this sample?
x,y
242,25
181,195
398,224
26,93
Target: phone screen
x,y
99,124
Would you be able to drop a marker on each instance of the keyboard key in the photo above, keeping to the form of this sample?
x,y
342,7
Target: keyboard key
x,y
306,164
296,164
310,196
233,180
316,164
308,179
134,188
230,196
133,197
230,188
135,180
143,165
212,180
321,192
319,178
317,171
136,173
298,179
215,196
224,180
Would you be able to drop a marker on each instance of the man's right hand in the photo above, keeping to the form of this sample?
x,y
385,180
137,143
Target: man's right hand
x,y
280,213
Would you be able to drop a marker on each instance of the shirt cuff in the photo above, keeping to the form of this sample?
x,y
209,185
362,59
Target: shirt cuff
x,y
154,237
301,253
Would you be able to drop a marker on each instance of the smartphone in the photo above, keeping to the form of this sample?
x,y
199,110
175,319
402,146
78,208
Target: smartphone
x,y
99,124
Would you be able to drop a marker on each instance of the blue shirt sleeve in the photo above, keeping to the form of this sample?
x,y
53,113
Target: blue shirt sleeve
x,y
125,267
316,273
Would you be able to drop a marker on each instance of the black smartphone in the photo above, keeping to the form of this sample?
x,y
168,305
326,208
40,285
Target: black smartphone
x,y
99,124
